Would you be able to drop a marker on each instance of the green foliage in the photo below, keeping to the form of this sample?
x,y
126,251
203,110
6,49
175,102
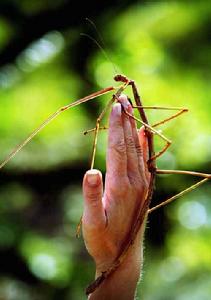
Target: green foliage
x,y
48,259
164,47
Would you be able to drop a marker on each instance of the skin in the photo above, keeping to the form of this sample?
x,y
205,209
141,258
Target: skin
x,y
108,215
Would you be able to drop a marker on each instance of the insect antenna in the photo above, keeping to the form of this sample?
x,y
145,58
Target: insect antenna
x,y
99,43
97,31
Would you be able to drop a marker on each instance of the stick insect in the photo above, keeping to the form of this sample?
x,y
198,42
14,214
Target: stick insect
x,y
150,130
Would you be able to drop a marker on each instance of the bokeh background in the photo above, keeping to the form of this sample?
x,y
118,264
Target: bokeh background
x,y
45,63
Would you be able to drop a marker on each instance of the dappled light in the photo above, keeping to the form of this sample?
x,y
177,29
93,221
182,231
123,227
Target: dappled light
x,y
192,215
40,51
45,64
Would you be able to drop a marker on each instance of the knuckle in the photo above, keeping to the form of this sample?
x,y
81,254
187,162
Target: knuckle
x,y
140,185
130,142
93,197
119,146
134,181
139,150
124,187
91,227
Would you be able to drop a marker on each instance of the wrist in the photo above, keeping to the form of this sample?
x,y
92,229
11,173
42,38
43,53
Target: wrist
x,y
133,258
122,283
132,261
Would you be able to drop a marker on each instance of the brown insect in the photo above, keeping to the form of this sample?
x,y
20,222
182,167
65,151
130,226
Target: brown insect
x,y
150,131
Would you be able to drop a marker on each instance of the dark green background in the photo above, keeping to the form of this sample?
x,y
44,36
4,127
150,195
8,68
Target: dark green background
x,y
45,63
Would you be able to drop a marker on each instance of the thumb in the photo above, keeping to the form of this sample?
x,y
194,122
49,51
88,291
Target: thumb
x,y
94,214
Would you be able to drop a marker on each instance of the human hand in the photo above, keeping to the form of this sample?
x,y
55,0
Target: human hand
x,y
108,217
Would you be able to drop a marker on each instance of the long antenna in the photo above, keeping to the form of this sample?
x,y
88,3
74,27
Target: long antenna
x,y
97,31
98,43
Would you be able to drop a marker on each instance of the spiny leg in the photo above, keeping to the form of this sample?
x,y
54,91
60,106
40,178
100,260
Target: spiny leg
x,y
51,118
199,174
170,118
159,107
150,128
181,111
189,189
192,187
93,129
168,142
152,155
158,171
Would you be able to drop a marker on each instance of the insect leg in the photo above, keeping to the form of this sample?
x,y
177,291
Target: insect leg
x,y
51,118
152,155
170,118
180,111
199,174
189,189
150,128
93,129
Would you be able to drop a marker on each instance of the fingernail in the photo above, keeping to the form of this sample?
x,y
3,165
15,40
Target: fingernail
x,y
124,101
117,109
92,177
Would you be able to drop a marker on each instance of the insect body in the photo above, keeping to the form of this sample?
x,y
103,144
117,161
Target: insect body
x,y
150,130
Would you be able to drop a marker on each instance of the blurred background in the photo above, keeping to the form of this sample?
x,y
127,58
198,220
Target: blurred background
x,y
45,63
